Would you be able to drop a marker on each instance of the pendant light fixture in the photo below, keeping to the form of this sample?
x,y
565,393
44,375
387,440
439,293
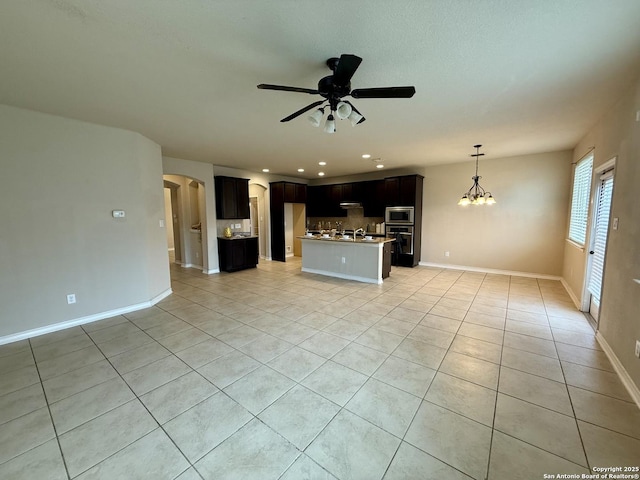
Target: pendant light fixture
x,y
476,194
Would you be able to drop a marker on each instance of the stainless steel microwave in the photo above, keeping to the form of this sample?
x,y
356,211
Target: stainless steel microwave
x,y
399,215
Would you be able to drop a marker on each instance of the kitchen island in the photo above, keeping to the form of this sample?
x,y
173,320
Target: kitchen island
x,y
361,260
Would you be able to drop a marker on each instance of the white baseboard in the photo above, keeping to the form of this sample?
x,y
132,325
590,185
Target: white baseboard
x,y
491,270
626,379
574,299
212,271
341,275
36,332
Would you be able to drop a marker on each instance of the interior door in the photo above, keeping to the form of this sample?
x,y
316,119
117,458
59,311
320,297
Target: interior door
x,y
600,233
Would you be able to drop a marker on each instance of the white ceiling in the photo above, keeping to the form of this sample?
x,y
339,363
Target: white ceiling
x,y
519,76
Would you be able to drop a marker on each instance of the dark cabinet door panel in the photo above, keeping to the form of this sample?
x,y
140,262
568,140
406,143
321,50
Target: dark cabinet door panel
x,y
237,254
232,197
242,198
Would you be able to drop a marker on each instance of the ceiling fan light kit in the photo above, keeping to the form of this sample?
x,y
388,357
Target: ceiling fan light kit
x,y
477,195
333,88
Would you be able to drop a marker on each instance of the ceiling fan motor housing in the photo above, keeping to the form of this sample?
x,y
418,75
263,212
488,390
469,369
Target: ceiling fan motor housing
x,y
329,90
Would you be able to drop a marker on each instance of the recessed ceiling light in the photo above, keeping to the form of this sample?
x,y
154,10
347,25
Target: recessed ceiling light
x,y
265,170
321,174
366,155
322,163
301,170
379,165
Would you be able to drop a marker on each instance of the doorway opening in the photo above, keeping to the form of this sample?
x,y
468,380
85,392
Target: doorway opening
x,y
256,213
598,239
173,221
185,212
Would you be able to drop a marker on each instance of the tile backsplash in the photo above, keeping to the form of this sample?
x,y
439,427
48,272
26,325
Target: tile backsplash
x,y
245,225
355,219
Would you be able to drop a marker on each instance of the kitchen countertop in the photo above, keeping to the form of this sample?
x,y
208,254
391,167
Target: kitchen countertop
x,y
238,237
373,241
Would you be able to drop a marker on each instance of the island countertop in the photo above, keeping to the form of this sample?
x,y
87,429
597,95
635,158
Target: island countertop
x,y
373,241
361,260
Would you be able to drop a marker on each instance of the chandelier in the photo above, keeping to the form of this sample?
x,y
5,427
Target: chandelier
x,y
476,194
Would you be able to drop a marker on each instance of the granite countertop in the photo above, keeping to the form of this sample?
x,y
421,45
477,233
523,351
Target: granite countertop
x,y
237,237
373,240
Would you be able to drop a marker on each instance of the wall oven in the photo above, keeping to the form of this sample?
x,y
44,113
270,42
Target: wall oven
x,y
403,238
399,215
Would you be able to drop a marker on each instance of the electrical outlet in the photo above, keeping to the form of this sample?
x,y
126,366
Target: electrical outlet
x,y
638,348
237,225
344,260
446,254
161,223
71,298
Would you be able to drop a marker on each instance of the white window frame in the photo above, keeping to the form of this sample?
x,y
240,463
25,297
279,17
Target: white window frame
x,y
580,196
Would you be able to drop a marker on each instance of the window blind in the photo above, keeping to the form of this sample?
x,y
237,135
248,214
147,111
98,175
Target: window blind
x,y
603,208
580,200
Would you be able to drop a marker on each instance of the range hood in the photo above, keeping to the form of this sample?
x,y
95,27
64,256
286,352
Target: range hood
x,y
347,205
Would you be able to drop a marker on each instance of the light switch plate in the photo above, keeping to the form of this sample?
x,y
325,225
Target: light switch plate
x,y
117,213
615,223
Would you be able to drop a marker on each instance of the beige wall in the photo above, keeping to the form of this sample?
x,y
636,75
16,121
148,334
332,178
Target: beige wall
x,y
617,134
61,180
523,232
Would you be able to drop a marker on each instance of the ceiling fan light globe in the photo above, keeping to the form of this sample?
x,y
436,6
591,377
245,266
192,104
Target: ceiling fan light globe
x,y
316,117
330,125
344,110
355,118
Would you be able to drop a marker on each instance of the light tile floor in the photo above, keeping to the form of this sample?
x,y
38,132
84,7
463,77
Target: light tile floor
x,y
274,374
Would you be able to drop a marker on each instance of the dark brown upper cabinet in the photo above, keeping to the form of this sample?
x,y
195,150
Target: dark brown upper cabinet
x,y
404,191
232,197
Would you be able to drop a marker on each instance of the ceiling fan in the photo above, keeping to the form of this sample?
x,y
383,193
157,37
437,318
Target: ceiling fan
x,y
334,88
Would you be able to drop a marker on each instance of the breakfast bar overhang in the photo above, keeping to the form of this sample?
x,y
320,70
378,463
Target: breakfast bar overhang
x,y
362,260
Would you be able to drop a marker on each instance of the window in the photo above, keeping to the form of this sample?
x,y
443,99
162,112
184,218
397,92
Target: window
x,y
580,200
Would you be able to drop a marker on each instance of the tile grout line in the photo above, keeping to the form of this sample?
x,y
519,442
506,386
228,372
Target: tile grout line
x,y
53,425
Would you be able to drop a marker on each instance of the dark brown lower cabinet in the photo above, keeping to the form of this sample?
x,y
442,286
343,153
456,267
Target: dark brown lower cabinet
x,y
237,253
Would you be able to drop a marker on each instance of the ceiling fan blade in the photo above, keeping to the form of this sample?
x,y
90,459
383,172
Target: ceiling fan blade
x,y
347,66
356,110
384,92
302,110
265,86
